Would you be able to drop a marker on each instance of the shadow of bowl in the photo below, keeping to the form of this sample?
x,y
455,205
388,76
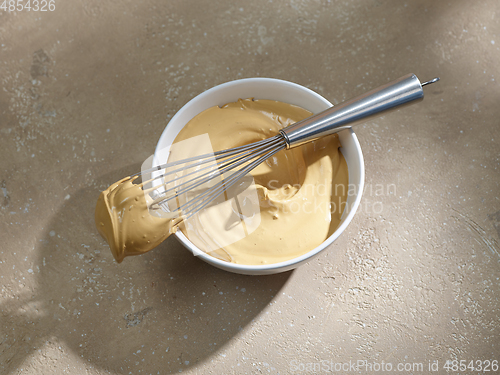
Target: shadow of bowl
x,y
163,311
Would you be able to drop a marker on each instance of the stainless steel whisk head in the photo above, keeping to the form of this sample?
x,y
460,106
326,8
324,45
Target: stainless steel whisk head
x,y
200,172
229,165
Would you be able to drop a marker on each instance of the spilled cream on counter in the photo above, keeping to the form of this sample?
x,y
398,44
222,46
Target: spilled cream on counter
x,y
301,191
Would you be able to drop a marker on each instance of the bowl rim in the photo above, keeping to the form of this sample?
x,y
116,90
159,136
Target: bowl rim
x,y
291,263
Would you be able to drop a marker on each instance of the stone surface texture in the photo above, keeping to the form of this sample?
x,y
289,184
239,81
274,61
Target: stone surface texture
x,y
86,91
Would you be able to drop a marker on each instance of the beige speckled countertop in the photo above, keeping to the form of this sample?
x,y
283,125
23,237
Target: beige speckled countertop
x,y
86,91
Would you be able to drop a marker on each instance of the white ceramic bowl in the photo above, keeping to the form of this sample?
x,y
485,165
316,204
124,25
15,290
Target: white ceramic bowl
x,y
288,92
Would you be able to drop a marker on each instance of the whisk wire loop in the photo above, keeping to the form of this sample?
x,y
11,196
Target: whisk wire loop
x,y
240,160
226,163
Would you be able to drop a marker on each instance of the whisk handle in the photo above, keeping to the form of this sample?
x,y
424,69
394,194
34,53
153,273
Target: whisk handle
x,y
404,90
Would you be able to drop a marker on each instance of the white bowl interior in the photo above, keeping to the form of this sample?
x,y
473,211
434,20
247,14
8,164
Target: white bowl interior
x,y
284,91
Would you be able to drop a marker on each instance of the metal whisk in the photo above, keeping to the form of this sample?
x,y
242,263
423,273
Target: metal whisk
x,y
233,164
